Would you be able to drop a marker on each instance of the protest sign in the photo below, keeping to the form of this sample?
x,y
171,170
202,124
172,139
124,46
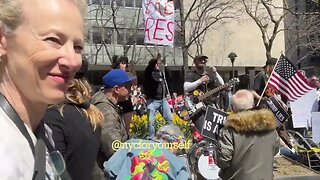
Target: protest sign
x,y
158,22
278,110
316,127
213,122
302,109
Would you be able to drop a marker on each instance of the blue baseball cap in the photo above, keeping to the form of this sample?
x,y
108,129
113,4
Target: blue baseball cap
x,y
116,77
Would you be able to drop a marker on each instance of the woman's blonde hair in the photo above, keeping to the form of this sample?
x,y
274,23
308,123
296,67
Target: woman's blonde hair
x,y
79,92
11,13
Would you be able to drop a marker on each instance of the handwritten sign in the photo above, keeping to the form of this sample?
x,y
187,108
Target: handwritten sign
x,y
158,22
277,109
213,122
302,109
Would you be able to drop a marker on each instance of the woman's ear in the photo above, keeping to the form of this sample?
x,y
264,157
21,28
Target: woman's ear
x,y
3,42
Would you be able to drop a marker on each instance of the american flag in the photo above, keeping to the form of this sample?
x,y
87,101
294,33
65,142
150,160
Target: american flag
x,y
288,80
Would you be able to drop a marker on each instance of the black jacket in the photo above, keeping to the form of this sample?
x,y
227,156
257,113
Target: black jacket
x,y
154,85
75,138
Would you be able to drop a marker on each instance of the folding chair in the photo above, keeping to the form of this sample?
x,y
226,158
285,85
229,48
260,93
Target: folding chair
x,y
309,150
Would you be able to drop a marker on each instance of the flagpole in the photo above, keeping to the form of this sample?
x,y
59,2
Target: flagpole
x,y
265,88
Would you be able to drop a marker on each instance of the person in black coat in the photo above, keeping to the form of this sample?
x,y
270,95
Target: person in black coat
x,y
155,89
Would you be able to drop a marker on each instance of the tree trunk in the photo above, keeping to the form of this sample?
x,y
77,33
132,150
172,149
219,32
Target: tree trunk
x,y
183,43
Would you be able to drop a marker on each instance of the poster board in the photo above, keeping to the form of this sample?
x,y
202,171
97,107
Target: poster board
x,y
315,126
159,25
302,109
213,122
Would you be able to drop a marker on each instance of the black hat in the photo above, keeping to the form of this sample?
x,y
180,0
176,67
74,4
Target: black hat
x,y
271,61
200,57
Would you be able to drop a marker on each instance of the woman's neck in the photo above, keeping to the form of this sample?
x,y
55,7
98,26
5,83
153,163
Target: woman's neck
x,y
30,112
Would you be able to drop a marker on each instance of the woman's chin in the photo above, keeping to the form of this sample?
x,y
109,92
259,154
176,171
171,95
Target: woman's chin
x,y
56,97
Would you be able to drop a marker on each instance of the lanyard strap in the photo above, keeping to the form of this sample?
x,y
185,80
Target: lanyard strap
x,y
8,109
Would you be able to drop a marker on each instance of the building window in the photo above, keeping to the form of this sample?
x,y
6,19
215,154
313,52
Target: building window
x,y
177,38
102,35
119,2
98,2
96,36
129,3
138,3
108,35
121,36
140,37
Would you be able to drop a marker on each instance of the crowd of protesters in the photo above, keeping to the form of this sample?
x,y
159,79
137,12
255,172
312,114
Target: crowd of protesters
x,y
54,127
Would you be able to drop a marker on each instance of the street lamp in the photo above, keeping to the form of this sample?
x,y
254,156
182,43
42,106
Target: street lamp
x,y
232,56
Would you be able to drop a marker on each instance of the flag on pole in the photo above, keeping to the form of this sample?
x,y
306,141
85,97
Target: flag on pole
x,y
288,80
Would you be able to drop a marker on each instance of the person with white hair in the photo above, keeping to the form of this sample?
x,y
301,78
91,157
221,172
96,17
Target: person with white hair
x,y
248,141
41,43
143,159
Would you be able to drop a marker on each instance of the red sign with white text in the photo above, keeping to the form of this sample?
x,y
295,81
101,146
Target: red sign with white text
x,y
158,22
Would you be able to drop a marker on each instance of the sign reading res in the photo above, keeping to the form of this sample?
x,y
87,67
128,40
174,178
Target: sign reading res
x,y
159,20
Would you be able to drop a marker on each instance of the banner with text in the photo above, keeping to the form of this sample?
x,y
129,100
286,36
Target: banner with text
x,y
213,122
158,22
278,110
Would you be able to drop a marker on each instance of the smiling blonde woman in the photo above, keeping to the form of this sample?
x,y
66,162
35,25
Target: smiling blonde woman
x,y
40,52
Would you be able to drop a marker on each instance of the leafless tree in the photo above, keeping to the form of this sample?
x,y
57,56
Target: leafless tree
x,y
268,17
196,18
110,20
309,29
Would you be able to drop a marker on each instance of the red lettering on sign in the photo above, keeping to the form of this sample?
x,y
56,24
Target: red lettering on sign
x,y
158,28
157,7
169,26
147,6
148,27
167,11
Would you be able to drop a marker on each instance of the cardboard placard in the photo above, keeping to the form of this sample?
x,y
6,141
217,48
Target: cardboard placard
x,y
316,127
278,110
213,122
159,24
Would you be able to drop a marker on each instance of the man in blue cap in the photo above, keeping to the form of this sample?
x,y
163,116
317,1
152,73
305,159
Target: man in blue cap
x,y
117,85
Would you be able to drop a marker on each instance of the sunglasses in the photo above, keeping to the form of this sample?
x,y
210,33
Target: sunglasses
x,y
58,162
202,60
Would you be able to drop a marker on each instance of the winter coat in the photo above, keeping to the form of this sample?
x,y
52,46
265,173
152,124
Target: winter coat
x,y
247,145
113,127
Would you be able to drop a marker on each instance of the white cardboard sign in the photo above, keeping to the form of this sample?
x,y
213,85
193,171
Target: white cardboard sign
x,y
158,22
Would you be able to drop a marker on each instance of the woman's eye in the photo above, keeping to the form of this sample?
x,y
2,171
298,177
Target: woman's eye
x,y
78,48
53,40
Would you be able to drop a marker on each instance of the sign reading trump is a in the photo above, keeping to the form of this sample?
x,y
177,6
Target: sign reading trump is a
x,y
213,122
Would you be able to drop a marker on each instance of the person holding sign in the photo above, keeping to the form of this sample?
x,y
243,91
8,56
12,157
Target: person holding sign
x,y
155,88
248,142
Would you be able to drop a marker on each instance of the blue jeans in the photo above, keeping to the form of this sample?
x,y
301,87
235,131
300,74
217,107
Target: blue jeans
x,y
152,106
288,153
